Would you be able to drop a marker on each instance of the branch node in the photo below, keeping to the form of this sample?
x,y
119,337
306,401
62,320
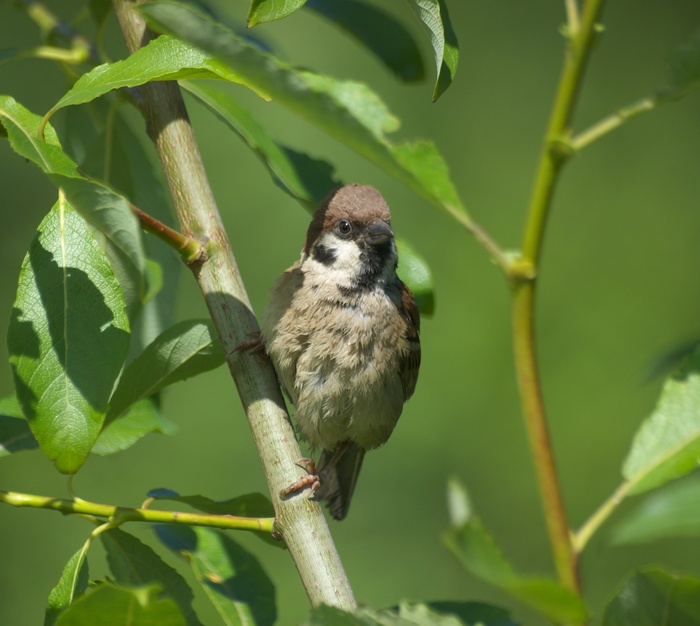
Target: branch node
x,y
561,148
518,269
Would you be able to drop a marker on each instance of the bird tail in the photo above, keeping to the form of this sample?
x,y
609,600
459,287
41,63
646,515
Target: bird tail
x,y
338,472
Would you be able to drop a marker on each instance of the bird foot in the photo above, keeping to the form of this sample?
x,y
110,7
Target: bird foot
x,y
310,479
252,345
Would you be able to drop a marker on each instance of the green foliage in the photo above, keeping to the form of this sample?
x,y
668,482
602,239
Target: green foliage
x,y
104,209
349,111
72,584
133,563
305,179
434,614
115,605
248,505
139,420
376,30
163,59
15,434
478,552
183,350
68,337
415,272
670,512
668,443
435,18
268,10
233,580
653,597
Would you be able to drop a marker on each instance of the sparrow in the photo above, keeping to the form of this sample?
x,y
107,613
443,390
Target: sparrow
x,y
342,332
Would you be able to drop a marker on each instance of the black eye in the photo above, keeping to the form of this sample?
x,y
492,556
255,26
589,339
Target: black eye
x,y
344,228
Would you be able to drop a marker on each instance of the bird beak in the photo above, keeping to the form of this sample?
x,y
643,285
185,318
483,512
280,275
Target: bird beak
x,y
379,233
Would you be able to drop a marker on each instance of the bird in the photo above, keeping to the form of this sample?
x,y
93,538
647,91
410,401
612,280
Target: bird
x,y
342,332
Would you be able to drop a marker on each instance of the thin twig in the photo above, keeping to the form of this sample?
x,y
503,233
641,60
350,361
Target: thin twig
x,y
581,537
625,114
613,121
108,511
189,249
81,50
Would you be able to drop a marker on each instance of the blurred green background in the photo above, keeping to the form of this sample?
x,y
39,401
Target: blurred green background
x,y
618,290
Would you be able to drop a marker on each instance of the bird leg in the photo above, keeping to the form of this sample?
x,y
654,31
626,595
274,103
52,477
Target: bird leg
x,y
314,477
310,479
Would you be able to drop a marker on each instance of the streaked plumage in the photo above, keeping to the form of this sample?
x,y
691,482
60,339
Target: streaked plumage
x,y
342,332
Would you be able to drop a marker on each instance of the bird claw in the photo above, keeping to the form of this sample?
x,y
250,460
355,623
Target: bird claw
x,y
311,478
253,345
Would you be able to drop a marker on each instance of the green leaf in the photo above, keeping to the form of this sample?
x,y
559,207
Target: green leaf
x,y
469,541
107,211
475,613
113,605
184,350
654,597
415,272
667,445
22,128
111,215
378,31
684,67
414,614
134,563
346,110
163,58
269,10
137,175
422,160
305,179
232,578
100,10
248,505
673,511
436,19
68,337
117,157
418,615
331,616
72,584
139,420
15,434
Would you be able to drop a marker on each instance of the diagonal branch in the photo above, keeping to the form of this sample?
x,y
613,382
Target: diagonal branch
x,y
299,521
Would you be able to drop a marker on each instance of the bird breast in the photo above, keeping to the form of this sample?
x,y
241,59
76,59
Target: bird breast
x,y
337,356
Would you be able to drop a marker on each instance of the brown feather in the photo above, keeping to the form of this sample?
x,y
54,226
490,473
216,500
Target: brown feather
x,y
342,331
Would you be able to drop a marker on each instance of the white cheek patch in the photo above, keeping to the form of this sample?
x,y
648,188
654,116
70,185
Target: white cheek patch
x,y
346,265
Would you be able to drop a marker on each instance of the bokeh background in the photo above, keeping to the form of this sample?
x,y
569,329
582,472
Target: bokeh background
x,y
619,289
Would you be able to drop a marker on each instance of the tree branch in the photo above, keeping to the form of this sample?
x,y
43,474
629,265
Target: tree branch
x,y
581,537
108,511
189,249
553,156
299,520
